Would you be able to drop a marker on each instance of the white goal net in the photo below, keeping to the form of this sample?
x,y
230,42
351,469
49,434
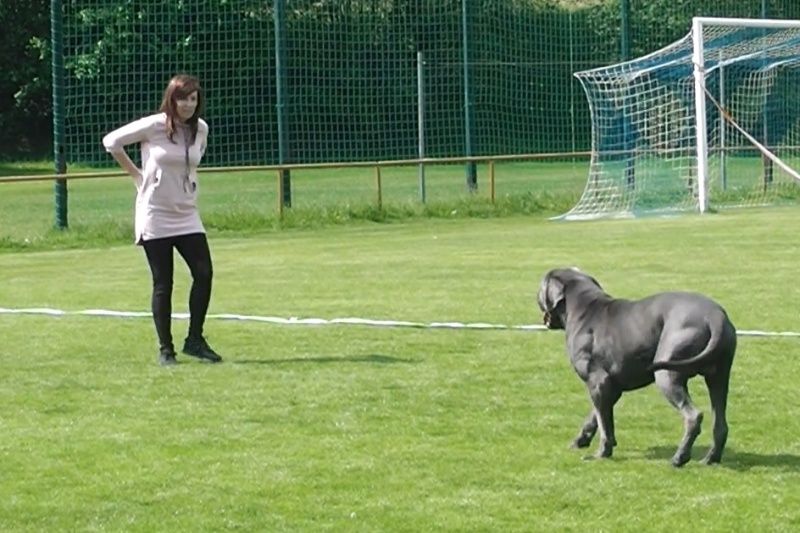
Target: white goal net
x,y
710,121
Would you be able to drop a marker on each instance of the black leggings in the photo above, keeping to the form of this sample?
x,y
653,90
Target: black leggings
x,y
194,250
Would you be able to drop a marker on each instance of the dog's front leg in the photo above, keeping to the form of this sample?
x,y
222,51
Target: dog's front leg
x,y
604,394
587,432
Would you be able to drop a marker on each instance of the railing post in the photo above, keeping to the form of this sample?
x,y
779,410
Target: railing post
x,y
492,183
281,191
378,186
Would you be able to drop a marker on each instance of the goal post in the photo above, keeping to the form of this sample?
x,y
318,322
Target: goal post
x,y
698,61
698,58
728,90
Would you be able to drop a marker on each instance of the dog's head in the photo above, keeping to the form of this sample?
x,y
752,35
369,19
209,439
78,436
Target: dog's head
x,y
552,296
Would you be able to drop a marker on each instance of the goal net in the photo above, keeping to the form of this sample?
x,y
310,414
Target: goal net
x,y
710,121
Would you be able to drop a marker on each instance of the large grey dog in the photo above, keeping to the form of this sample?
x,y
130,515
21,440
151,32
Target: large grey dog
x,y
617,345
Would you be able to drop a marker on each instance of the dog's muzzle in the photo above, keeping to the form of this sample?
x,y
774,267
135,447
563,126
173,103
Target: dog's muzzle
x,y
552,321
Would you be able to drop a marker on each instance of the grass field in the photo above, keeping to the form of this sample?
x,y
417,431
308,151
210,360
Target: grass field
x,y
356,428
246,202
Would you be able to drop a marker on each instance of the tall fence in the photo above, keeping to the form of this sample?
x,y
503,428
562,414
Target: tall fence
x,y
305,81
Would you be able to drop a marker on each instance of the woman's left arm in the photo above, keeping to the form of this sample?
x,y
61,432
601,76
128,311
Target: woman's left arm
x,y
202,134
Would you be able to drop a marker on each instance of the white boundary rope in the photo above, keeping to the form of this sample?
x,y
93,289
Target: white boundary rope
x,y
295,321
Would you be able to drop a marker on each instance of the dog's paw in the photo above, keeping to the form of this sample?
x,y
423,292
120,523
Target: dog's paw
x,y
678,460
710,460
603,453
581,442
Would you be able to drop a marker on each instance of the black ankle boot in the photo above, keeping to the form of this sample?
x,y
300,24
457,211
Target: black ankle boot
x,y
166,356
198,347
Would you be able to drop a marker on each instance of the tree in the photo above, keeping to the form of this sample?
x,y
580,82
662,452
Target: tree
x,y
25,101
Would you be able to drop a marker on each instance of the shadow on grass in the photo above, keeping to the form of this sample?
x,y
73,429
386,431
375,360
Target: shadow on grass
x,y
377,359
734,460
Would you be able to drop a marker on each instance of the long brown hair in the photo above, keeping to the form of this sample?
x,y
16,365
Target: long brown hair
x,y
180,87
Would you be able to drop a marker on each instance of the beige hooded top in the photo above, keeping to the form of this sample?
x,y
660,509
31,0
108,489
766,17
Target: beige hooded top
x,y
166,190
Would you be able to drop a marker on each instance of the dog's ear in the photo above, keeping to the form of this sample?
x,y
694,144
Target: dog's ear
x,y
595,282
551,293
580,274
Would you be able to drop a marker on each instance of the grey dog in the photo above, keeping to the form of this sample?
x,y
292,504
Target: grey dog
x,y
618,345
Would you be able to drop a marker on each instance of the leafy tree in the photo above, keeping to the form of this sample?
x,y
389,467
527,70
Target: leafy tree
x,y
25,101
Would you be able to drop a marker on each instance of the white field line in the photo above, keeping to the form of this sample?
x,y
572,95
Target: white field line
x,y
296,321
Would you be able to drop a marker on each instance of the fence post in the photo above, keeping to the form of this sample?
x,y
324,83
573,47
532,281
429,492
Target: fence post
x,y
625,29
625,52
421,123
280,89
766,161
60,158
471,171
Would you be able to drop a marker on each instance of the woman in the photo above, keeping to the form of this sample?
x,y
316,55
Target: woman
x,y
172,143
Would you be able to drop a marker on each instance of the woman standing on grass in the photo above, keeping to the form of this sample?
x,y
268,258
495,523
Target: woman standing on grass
x,y
172,143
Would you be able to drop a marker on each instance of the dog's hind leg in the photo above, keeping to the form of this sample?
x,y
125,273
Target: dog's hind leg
x,y
587,431
718,392
673,385
604,394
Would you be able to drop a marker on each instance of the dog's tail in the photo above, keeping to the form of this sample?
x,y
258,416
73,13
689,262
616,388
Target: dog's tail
x,y
718,327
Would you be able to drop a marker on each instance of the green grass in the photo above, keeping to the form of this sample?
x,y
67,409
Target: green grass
x,y
243,203
353,428
100,210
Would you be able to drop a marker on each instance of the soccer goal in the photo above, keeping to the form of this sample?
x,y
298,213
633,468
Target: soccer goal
x,y
710,121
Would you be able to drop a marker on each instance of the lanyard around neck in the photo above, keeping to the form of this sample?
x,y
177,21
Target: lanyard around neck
x,y
188,186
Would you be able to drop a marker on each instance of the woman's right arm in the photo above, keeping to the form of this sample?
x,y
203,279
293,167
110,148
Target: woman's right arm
x,y
115,142
127,164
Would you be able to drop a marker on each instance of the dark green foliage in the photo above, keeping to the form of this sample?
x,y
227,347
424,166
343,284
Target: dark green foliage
x,y
351,79
25,102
